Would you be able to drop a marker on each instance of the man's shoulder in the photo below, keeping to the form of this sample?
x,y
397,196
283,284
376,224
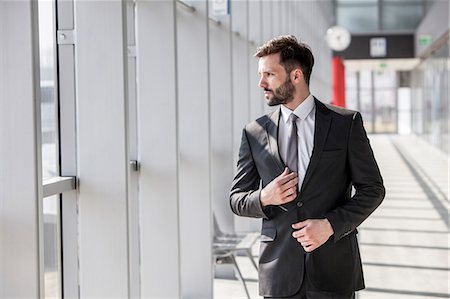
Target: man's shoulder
x,y
260,123
339,111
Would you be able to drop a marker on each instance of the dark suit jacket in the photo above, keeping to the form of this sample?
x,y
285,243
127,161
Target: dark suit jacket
x,y
341,157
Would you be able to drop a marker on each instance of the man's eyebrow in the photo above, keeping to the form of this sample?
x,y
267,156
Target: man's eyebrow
x,y
266,71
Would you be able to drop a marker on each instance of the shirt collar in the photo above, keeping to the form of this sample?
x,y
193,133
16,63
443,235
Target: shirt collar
x,y
302,111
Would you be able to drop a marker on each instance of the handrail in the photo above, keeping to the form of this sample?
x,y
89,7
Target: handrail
x,y
58,185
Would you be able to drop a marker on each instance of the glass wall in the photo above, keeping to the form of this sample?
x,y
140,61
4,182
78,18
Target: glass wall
x,y
50,152
363,16
385,102
430,99
374,94
48,73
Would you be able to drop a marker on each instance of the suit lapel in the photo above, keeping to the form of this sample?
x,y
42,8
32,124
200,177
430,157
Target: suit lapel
x,y
322,126
272,138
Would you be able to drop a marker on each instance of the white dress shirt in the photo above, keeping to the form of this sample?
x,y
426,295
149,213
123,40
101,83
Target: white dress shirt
x,y
305,130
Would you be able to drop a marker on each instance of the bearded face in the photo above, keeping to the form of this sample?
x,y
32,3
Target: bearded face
x,y
283,94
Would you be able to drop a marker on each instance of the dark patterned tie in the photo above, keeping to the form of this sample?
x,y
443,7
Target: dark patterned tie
x,y
292,148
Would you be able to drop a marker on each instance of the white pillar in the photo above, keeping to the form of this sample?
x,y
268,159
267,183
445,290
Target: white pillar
x,y
158,148
21,268
221,121
257,101
196,271
102,148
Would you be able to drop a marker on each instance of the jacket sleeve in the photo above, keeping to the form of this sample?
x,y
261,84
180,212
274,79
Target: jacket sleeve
x,y
245,191
366,178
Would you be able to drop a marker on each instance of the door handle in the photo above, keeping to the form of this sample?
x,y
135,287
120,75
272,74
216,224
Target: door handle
x,y
135,165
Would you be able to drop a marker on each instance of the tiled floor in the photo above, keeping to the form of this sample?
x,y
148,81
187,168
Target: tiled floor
x,y
405,243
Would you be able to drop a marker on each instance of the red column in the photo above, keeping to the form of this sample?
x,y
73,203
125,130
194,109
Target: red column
x,y
338,82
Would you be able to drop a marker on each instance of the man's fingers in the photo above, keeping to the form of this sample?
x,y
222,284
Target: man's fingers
x,y
306,243
299,234
288,196
309,248
300,225
290,191
286,177
293,182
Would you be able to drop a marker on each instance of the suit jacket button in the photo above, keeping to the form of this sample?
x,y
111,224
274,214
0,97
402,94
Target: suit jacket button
x,y
299,204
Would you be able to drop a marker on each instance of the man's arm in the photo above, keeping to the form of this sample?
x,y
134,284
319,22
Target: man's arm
x,y
246,199
245,193
367,180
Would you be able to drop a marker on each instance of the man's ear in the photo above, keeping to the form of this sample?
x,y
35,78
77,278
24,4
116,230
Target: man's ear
x,y
297,74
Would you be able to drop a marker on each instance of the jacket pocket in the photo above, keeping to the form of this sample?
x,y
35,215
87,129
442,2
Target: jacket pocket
x,y
268,234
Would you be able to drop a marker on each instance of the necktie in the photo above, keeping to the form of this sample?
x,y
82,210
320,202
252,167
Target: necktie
x,y
292,148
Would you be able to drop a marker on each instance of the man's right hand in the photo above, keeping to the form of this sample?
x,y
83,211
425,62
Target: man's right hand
x,y
281,190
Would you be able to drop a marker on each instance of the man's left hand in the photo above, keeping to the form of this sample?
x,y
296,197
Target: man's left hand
x,y
312,233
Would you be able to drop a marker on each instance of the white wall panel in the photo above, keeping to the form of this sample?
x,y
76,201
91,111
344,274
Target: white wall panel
x,y
257,100
221,121
267,19
157,127
102,154
20,171
194,151
241,89
240,72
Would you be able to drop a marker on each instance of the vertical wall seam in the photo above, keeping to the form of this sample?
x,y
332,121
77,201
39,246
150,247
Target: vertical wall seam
x,y
177,143
125,136
35,60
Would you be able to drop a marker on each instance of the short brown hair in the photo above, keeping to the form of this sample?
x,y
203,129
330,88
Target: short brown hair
x,y
293,54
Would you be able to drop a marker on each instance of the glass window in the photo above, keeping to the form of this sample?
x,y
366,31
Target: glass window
x,y
366,109
358,18
49,122
351,90
365,78
50,154
356,2
401,15
396,15
52,245
385,111
384,79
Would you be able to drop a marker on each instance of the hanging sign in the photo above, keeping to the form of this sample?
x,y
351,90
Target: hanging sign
x,y
220,7
424,39
378,47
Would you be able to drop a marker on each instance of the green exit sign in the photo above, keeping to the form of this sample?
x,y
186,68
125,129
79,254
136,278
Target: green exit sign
x,y
425,40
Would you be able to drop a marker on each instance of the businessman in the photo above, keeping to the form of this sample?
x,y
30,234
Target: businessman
x,y
296,170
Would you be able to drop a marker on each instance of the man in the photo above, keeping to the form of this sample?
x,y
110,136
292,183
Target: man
x,y
296,170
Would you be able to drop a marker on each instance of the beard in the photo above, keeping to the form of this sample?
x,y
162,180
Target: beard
x,y
283,94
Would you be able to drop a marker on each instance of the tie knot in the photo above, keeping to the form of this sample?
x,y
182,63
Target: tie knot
x,y
293,118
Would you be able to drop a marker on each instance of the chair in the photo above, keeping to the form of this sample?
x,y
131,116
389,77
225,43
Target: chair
x,y
227,257
226,246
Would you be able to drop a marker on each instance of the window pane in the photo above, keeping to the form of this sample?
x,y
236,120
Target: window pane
x,y
401,15
48,100
356,2
49,121
351,92
384,79
52,245
366,109
385,111
365,79
358,18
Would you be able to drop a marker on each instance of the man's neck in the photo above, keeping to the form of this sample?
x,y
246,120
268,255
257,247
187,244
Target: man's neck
x,y
298,99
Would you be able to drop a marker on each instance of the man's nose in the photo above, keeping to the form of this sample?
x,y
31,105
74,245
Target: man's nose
x,y
262,82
